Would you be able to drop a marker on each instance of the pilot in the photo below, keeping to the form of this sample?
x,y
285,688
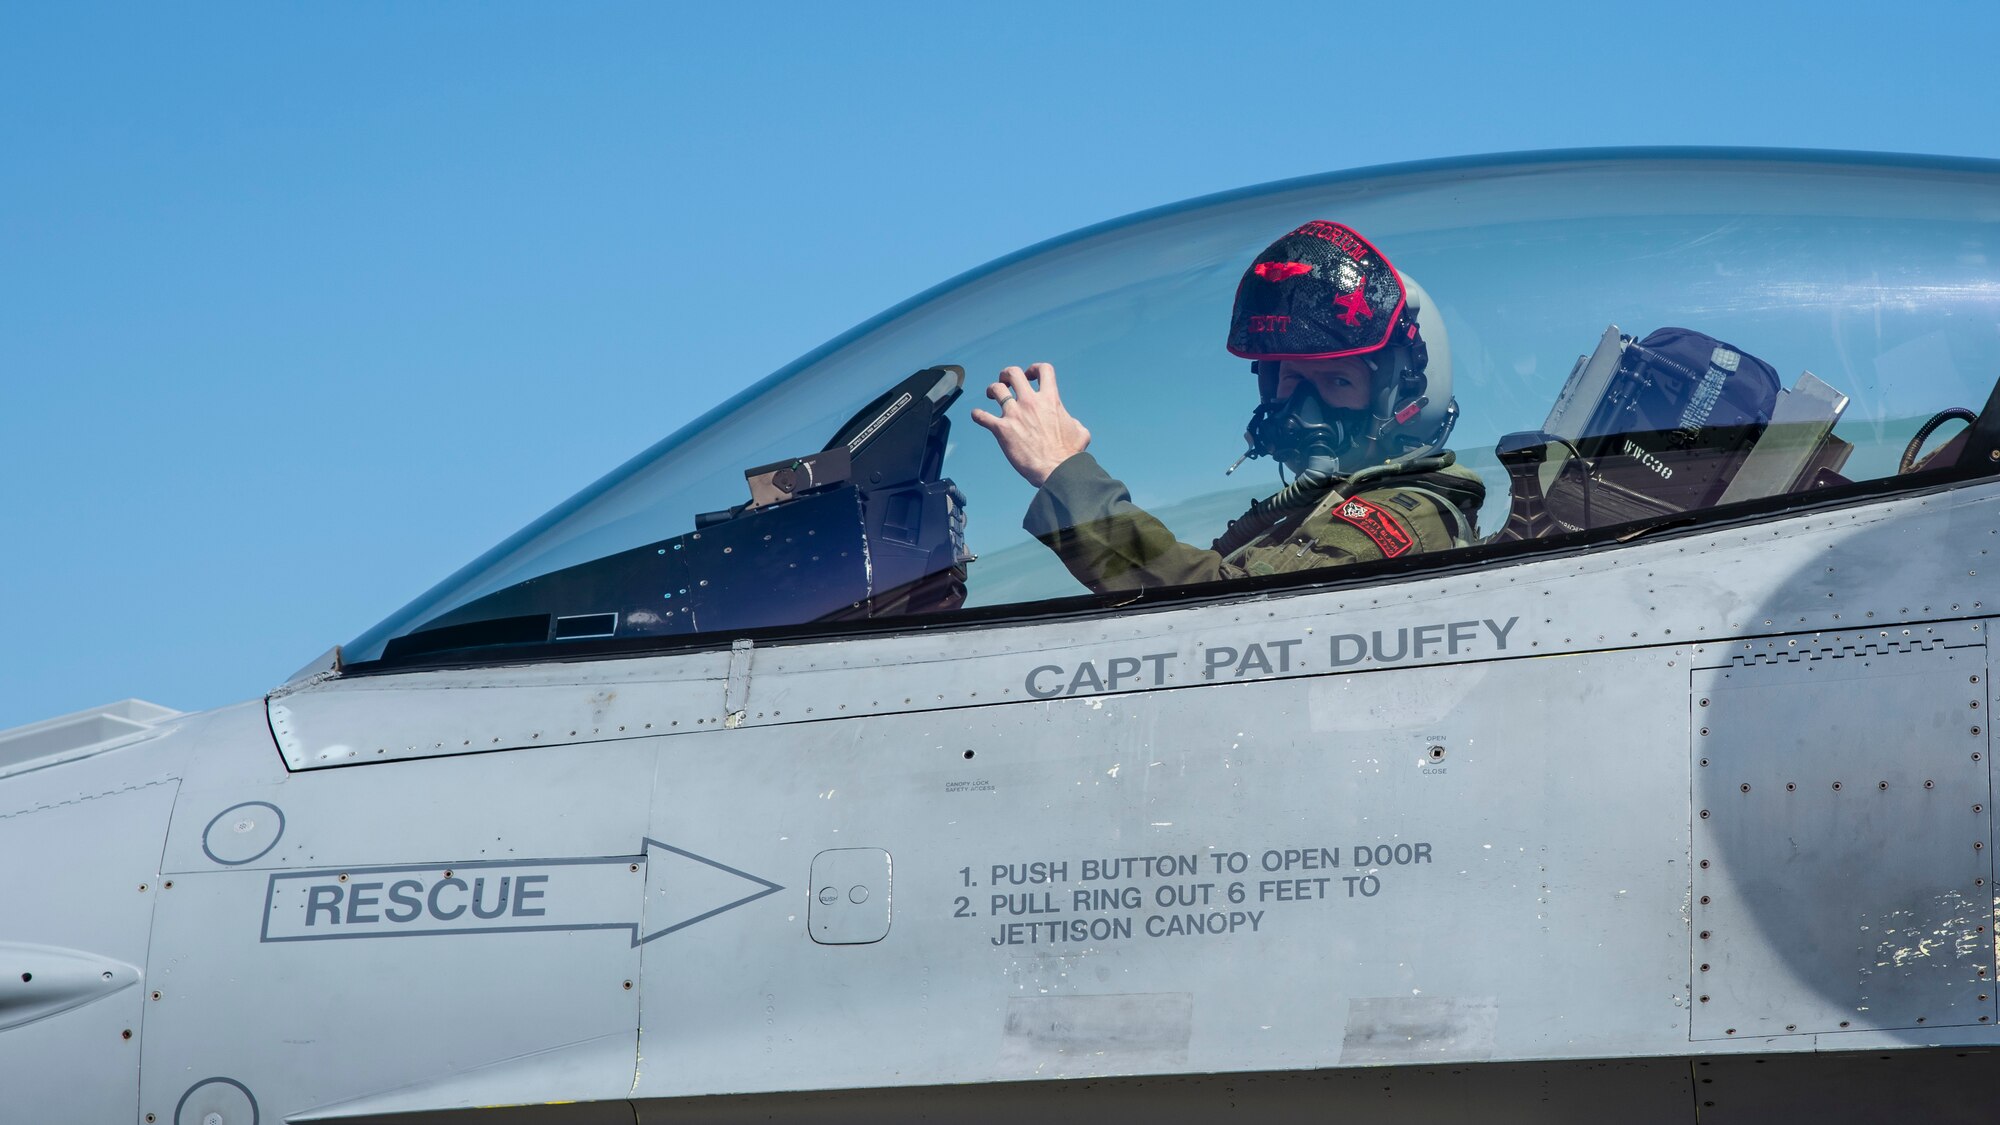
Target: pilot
x,y
1354,379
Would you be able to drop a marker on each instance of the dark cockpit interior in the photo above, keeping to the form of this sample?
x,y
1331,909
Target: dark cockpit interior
x,y
865,527
1673,423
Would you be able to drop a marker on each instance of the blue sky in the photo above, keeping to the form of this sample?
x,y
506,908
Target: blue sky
x,y
304,306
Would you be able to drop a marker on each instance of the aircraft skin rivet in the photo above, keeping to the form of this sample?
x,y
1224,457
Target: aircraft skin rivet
x,y
1882,785
126,1034
1704,935
1704,865
150,1118
1791,1027
342,879
1928,784
1704,703
1704,732
1843,1023
1746,787
142,887
1791,787
1704,900
1731,1031
1704,999
156,995
1704,814
1836,785
1704,968
628,986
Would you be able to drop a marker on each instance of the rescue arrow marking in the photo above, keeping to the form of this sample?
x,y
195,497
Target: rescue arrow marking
x,y
507,896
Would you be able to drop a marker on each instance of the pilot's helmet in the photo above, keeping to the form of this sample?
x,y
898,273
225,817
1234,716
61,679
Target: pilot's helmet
x,y
1325,292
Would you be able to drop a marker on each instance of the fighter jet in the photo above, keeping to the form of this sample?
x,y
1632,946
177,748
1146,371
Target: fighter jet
x,y
789,773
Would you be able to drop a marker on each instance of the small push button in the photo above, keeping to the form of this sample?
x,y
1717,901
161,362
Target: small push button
x,y
850,903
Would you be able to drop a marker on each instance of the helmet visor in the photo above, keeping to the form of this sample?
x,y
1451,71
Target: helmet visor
x,y
1320,292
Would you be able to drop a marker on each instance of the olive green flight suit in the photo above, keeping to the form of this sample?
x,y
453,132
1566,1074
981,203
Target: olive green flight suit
x,y
1111,544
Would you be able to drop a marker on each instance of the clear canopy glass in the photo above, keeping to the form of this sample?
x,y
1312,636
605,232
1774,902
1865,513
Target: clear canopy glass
x,y
1876,275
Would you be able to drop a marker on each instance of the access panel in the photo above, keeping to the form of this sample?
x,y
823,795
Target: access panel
x,y
1841,830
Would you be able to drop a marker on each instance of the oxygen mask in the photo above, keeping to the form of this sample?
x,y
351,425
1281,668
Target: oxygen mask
x,y
1304,433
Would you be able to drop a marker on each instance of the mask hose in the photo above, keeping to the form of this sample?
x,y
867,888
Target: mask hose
x,y
1307,491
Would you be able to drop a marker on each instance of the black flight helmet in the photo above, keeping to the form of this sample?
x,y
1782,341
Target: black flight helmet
x,y
1325,292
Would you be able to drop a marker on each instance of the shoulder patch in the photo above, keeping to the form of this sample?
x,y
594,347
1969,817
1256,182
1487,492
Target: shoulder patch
x,y
1381,527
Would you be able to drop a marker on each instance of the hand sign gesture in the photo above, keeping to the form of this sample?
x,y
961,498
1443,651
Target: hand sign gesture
x,y
1035,432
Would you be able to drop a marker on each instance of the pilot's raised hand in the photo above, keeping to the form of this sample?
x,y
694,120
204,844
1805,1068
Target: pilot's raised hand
x,y
1034,430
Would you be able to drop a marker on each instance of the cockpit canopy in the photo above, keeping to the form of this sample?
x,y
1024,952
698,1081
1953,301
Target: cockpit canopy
x,y
1632,337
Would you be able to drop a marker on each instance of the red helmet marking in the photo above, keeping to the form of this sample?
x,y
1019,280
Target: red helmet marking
x,y
1279,271
1350,243
1354,306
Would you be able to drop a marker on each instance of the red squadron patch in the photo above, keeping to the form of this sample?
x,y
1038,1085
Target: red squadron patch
x,y
1383,529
